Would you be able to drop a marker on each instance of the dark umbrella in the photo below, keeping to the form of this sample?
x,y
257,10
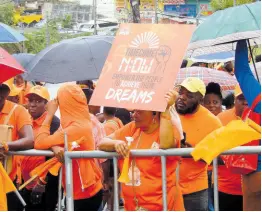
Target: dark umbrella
x,y
70,60
23,58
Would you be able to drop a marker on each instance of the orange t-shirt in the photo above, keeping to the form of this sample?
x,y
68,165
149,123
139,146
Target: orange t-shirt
x,y
86,172
30,162
228,182
18,120
193,175
112,125
147,174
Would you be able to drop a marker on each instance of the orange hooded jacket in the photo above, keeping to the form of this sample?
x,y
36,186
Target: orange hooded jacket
x,y
75,121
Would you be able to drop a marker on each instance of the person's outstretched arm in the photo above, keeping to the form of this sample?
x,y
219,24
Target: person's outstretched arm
x,y
250,87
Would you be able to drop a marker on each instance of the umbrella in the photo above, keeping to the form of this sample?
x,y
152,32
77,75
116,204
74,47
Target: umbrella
x,y
70,60
254,42
10,35
229,25
9,67
23,58
221,57
225,26
225,80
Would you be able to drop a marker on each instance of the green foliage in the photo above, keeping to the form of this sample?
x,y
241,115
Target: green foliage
x,y
67,22
223,4
37,40
7,13
12,48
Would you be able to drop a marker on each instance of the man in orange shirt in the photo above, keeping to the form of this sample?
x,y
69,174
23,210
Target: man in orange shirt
x,y
229,184
38,196
22,135
197,122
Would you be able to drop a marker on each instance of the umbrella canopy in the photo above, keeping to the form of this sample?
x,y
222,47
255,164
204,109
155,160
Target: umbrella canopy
x,y
231,24
9,67
23,58
10,35
225,80
215,57
70,60
255,42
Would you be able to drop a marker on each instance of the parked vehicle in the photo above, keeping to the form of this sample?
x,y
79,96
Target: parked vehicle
x,y
102,26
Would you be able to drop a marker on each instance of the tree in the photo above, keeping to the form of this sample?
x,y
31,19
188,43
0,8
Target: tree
x,y
67,22
37,40
223,4
135,10
7,13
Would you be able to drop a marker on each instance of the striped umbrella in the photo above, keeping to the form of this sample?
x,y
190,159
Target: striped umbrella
x,y
225,80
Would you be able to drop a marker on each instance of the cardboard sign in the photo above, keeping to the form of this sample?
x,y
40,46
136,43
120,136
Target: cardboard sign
x,y
142,66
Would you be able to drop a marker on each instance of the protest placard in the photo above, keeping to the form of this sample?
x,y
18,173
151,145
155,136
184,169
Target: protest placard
x,y
142,66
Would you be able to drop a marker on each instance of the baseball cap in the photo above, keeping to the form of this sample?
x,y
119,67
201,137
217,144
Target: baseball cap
x,y
40,91
194,85
14,90
238,90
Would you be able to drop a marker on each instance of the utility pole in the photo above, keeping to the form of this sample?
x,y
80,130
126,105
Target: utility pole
x,y
94,16
135,10
156,8
235,3
47,32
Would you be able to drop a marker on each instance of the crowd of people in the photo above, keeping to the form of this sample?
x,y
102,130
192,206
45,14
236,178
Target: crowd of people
x,y
193,111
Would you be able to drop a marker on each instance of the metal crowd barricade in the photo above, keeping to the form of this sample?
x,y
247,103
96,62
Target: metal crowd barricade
x,y
33,152
141,153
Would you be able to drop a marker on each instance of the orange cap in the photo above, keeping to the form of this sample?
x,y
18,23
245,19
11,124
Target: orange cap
x,y
40,91
238,90
14,90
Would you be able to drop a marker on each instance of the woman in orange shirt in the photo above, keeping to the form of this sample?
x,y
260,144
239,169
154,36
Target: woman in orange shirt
x,y
75,121
229,184
150,130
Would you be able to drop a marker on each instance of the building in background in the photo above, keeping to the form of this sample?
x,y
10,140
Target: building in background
x,y
188,8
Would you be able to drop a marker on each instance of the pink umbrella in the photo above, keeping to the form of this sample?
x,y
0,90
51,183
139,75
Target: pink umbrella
x,y
225,80
9,67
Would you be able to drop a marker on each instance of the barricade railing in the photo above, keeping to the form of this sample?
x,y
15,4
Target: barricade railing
x,y
135,153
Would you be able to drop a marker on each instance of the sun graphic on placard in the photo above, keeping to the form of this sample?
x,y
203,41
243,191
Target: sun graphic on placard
x,y
146,39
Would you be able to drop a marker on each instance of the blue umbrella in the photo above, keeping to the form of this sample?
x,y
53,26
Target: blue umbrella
x,y
10,35
221,57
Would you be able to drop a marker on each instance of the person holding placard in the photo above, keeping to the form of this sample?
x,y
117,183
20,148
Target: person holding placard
x,y
150,130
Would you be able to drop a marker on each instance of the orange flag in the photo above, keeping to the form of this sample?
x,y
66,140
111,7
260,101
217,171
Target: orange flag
x,y
6,186
236,133
52,165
